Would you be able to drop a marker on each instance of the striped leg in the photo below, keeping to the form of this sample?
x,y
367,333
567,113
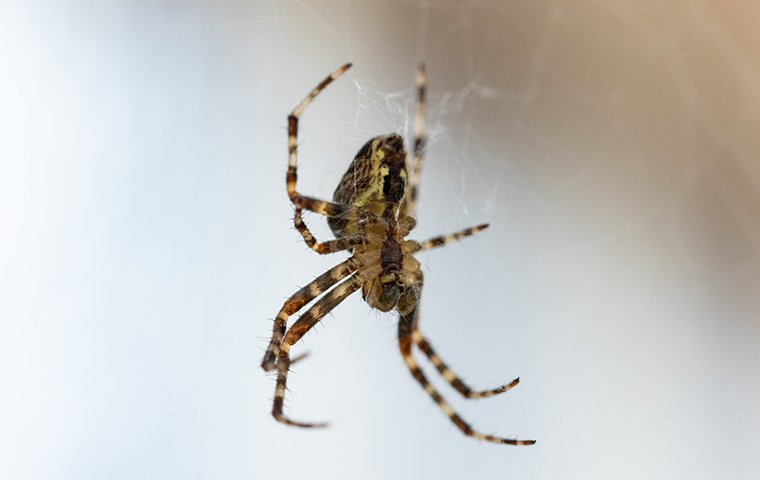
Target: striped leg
x,y
308,203
444,239
330,246
450,376
297,301
406,328
420,138
299,328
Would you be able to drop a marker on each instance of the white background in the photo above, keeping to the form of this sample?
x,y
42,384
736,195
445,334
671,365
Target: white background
x,y
146,238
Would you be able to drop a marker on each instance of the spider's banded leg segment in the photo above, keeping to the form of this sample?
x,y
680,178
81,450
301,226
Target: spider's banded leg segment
x,y
322,207
406,326
306,202
444,239
450,376
304,323
293,304
420,139
316,90
330,246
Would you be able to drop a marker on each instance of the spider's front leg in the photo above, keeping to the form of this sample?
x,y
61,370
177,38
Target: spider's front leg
x,y
294,334
425,346
297,301
407,326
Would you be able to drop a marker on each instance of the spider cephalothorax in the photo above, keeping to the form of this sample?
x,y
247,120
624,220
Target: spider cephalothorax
x,y
371,214
393,279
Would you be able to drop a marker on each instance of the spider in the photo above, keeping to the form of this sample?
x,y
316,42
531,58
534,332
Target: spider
x,y
371,213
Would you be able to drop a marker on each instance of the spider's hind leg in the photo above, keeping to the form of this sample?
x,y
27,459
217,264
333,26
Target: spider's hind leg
x,y
301,201
409,206
330,246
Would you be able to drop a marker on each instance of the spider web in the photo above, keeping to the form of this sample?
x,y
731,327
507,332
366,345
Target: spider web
x,y
613,148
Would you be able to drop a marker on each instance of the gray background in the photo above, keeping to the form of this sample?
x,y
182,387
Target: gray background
x,y
146,240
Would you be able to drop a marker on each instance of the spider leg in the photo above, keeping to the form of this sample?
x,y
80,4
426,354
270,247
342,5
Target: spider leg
x,y
442,240
330,246
304,323
420,138
425,346
450,376
309,203
406,328
293,304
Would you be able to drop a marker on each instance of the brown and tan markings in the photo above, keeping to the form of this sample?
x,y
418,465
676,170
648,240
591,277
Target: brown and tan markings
x,y
371,213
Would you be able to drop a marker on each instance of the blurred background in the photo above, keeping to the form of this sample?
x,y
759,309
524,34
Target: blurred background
x,y
146,239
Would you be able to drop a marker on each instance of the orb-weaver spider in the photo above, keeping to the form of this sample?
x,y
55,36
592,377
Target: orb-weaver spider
x,y
371,213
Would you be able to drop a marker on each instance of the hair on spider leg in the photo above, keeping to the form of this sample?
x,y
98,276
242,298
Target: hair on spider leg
x,y
298,358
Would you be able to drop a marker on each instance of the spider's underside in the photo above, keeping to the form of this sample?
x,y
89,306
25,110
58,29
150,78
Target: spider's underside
x,y
371,213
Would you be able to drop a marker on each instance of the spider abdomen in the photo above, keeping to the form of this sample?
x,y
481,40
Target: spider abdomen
x,y
376,177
